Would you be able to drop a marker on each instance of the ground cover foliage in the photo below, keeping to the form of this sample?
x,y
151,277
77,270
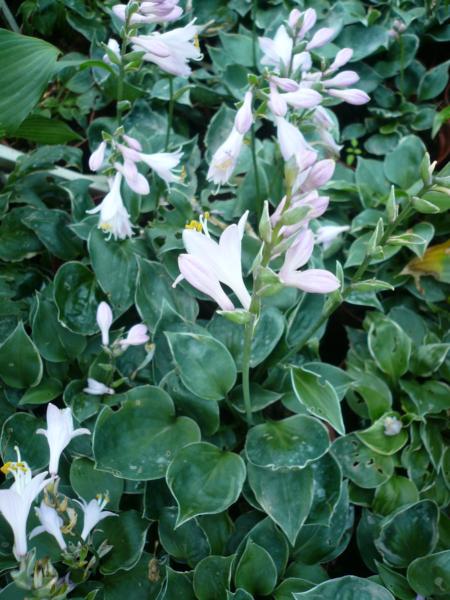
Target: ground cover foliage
x,y
224,286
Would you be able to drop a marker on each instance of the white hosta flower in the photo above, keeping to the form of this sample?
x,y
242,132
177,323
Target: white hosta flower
x,y
209,262
225,158
96,388
326,234
351,96
171,50
244,117
290,139
15,502
164,163
392,426
59,433
50,522
104,321
278,52
114,217
341,59
93,513
136,336
318,281
97,157
151,12
303,98
135,180
114,46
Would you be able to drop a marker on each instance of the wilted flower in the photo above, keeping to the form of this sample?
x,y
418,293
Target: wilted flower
x,y
317,281
104,321
93,513
59,433
15,503
50,522
209,263
392,426
171,50
114,217
96,388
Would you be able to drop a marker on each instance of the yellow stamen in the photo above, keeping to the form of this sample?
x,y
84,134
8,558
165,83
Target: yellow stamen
x,y
7,467
194,225
196,42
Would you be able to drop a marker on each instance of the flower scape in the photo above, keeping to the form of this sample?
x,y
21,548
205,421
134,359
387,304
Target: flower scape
x,y
225,277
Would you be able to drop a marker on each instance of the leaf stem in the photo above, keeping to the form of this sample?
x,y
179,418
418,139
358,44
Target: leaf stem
x,y
9,17
170,116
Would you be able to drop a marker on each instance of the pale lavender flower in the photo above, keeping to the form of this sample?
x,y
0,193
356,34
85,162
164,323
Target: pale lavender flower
x,y
327,234
321,37
352,96
225,158
244,116
290,139
97,157
341,59
343,79
317,281
136,336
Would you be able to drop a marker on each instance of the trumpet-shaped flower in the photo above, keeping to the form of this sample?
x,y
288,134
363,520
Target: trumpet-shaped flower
x,y
290,139
225,158
15,502
136,336
96,388
163,163
244,117
278,52
104,321
59,433
93,513
114,217
209,263
351,96
171,50
317,281
156,11
135,180
50,522
97,157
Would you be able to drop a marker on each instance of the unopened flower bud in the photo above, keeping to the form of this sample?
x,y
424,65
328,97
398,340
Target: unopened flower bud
x,y
97,157
244,116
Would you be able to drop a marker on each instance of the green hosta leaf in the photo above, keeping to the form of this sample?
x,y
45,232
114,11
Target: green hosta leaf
x,y
285,495
409,533
261,398
126,533
375,438
375,394
239,594
212,577
187,542
118,586
402,165
138,441
390,347
204,480
434,82
20,430
395,582
197,358
20,362
46,391
267,535
55,342
88,482
115,267
393,494
27,64
361,464
287,588
430,575
155,286
346,588
430,397
42,130
291,443
428,358
177,584
51,226
318,396
77,297
256,571
327,476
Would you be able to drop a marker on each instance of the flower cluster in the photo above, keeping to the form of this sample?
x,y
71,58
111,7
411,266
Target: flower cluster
x,y
16,502
125,153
